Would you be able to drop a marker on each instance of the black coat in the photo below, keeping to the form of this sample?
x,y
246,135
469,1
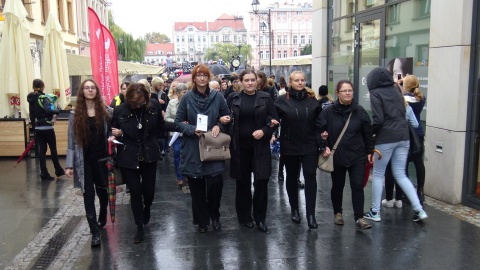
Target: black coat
x,y
299,133
357,141
389,123
264,113
134,145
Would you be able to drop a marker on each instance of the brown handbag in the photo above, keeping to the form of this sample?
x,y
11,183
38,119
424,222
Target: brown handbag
x,y
214,148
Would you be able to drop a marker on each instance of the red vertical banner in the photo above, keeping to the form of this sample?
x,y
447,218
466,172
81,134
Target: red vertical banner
x,y
97,50
111,65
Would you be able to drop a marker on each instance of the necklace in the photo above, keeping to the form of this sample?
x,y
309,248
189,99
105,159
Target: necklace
x,y
139,126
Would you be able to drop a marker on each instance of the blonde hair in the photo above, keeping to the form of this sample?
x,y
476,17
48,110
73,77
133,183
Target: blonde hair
x,y
310,93
157,81
411,84
171,93
270,82
146,83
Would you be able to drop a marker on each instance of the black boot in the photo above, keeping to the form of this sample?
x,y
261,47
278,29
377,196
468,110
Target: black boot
x,y
420,194
312,222
146,214
92,223
102,216
295,216
140,234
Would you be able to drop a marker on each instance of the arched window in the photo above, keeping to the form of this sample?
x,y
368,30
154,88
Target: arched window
x,y
294,53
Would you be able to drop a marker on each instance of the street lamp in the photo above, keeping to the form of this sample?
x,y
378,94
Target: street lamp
x,y
263,26
120,56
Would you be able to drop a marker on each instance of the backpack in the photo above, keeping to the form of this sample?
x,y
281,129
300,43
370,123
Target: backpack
x,y
44,108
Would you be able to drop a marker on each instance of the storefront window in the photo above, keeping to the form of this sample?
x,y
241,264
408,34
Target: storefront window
x,y
341,47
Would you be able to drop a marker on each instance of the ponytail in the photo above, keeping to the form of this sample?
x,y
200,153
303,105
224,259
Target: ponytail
x,y
418,94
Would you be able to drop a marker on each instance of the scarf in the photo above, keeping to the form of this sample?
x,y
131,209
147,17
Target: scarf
x,y
302,94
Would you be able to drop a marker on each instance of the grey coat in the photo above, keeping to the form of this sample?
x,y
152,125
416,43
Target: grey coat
x,y
214,106
75,155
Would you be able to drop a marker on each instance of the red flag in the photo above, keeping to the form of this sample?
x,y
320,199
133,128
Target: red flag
x,y
97,50
111,65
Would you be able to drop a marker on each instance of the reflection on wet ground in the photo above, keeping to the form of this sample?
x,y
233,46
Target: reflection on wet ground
x,y
33,211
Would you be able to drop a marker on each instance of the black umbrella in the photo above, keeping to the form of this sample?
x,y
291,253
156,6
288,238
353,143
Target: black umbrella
x,y
218,69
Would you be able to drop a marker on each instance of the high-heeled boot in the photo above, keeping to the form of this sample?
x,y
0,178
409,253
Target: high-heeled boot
x,y
295,216
312,222
95,230
102,216
139,235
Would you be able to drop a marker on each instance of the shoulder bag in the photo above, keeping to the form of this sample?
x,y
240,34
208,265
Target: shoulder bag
x,y
326,163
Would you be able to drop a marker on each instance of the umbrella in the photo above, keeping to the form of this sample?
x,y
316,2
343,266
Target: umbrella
x,y
111,186
27,148
16,73
55,67
238,71
218,69
184,78
369,165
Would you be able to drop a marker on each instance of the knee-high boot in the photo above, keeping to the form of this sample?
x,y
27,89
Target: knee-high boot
x,y
95,230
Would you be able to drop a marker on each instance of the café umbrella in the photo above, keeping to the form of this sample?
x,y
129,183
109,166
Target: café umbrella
x,y
54,65
16,73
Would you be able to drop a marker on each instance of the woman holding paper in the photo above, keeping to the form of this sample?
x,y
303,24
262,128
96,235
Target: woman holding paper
x,y
205,178
137,123
180,90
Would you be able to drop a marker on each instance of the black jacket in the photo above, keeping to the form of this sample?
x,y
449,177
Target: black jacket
x,y
357,141
389,124
299,133
264,113
138,145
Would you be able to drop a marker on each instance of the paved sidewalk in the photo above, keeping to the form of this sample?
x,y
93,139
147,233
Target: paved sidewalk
x,y
43,226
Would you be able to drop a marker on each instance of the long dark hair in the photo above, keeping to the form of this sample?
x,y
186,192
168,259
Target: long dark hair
x,y
80,124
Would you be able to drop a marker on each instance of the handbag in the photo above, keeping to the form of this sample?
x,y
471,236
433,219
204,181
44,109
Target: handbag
x,y
326,163
214,148
415,144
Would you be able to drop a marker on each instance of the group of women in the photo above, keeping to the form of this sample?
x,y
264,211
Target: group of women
x,y
250,117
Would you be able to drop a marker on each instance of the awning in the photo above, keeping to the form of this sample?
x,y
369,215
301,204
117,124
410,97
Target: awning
x,y
290,61
79,65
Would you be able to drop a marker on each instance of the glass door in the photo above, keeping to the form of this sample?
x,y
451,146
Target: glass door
x,y
369,39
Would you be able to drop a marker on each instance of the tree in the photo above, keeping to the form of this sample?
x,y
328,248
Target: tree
x,y
226,51
129,48
307,50
156,37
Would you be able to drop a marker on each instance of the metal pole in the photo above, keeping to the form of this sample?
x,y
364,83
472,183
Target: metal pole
x,y
270,37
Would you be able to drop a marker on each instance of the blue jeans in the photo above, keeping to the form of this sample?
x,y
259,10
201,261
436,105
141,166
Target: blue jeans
x,y
398,153
176,157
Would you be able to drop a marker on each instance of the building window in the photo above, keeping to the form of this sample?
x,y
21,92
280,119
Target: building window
x,y
71,24
178,39
204,39
216,38
295,53
190,39
309,39
199,38
279,39
302,39
260,40
392,14
279,54
61,14
294,39
45,10
285,37
422,8
211,38
28,7
190,29
285,55
226,38
267,54
260,54
183,39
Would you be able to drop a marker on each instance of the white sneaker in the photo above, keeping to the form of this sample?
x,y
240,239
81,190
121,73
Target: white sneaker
x,y
398,203
419,215
388,203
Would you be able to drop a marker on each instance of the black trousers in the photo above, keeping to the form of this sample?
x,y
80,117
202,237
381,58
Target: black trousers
x,y
309,165
419,165
356,173
243,191
390,183
142,187
206,192
42,138
95,182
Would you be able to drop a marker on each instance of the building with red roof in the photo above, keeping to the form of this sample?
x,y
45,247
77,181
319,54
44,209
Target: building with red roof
x,y
159,53
191,39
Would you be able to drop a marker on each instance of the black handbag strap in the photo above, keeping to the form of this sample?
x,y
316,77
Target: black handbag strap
x,y
341,133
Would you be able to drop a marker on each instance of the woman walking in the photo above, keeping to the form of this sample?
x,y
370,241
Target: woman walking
x,y
300,141
205,178
352,150
250,147
88,129
390,128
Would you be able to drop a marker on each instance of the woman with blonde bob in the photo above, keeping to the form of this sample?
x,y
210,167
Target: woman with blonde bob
x,y
88,129
300,142
205,178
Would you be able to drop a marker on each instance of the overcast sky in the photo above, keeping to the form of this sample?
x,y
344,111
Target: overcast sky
x,y
138,17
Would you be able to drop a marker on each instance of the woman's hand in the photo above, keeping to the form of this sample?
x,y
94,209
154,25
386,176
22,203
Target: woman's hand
x,y
273,123
69,172
370,158
273,139
216,130
258,134
111,139
224,120
199,132
326,153
117,132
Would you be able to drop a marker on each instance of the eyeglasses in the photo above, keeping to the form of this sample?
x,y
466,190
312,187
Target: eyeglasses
x,y
346,91
201,76
89,88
